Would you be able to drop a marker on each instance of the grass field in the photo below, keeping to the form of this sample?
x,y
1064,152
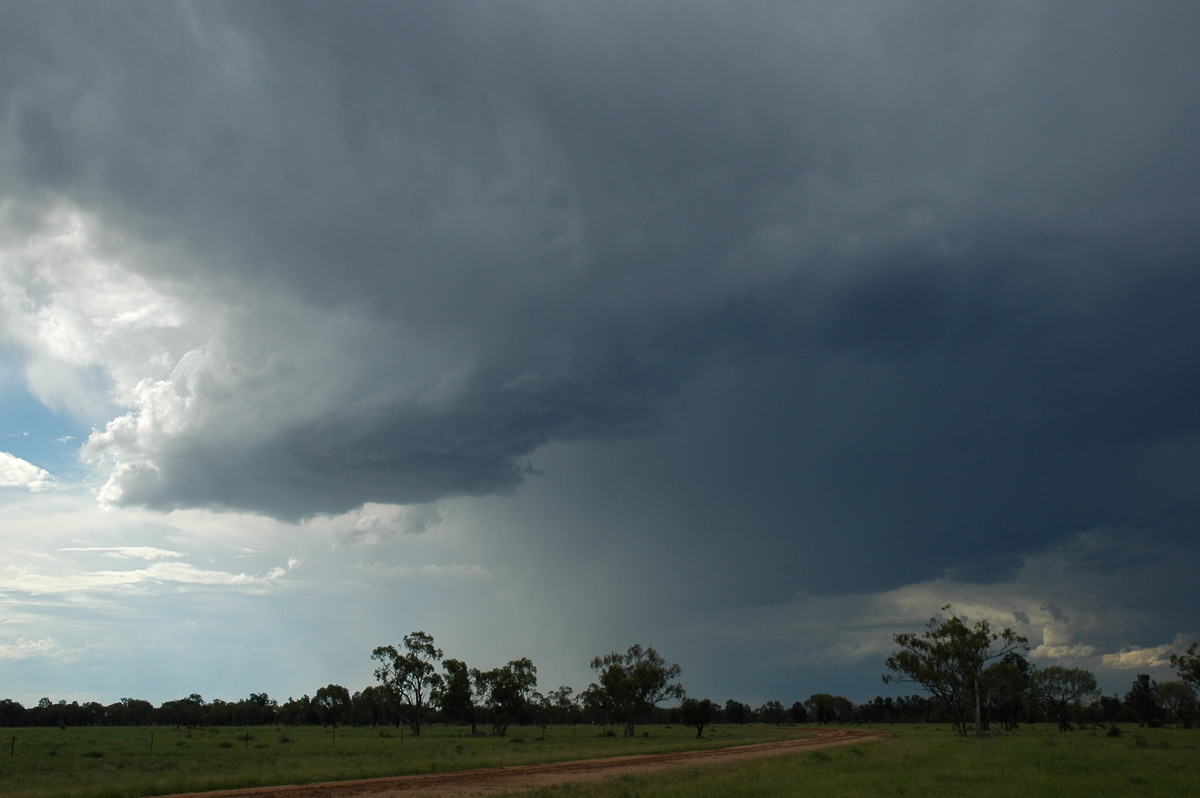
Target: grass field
x,y
933,763
137,761
919,760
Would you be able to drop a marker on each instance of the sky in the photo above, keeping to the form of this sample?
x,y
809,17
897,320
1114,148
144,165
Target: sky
x,y
752,332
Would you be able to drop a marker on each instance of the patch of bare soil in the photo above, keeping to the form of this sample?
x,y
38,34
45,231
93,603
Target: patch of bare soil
x,y
491,781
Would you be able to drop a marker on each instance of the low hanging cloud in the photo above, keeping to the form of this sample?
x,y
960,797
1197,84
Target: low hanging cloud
x,y
374,523
378,571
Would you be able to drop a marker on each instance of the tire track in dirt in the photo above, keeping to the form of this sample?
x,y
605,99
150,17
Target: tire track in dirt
x,y
490,781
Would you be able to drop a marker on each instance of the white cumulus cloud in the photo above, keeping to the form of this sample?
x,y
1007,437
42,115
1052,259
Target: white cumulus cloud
x,y
18,473
1131,658
88,327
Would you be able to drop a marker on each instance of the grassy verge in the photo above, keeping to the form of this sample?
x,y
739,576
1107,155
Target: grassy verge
x,y
131,762
934,763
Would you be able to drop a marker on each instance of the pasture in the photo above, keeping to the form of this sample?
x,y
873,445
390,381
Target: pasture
x,y
124,762
928,761
931,762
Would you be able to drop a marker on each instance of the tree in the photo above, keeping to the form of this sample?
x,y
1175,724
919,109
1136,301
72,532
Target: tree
x,y
1178,699
1140,702
596,705
1187,665
697,713
1109,708
409,677
183,711
136,711
633,682
798,713
12,713
825,708
947,660
509,691
562,705
735,712
1061,688
332,703
369,703
257,710
772,712
457,695
296,711
1005,685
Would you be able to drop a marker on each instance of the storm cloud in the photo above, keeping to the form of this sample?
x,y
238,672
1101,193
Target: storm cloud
x,y
778,285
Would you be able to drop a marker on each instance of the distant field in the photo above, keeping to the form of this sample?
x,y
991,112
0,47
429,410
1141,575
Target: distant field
x,y
931,762
128,762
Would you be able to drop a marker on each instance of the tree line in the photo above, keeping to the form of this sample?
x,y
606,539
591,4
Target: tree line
x,y
417,685
977,676
972,675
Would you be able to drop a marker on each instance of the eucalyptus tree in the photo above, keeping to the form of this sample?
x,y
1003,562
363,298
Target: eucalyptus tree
x,y
370,703
1061,688
562,705
1005,688
510,692
1177,699
409,677
1140,703
1187,665
772,712
631,683
697,713
947,660
332,703
825,708
457,696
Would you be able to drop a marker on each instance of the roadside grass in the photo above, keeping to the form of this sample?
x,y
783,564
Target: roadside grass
x,y
932,762
128,762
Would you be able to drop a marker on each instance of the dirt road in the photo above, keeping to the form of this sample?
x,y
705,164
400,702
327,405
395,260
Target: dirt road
x,y
492,781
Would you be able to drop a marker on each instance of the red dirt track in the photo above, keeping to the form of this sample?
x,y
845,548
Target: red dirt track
x,y
492,781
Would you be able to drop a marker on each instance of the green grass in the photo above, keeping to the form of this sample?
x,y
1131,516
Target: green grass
x,y
934,763
922,761
139,761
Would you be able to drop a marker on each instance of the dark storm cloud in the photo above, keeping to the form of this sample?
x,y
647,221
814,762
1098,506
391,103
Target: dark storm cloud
x,y
939,258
